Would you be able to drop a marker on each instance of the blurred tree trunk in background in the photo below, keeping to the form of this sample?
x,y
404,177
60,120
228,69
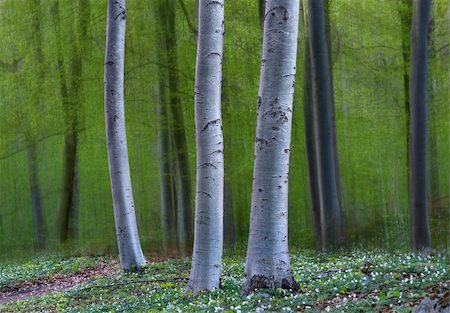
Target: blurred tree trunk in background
x,y
165,151
262,11
35,191
406,20
130,252
71,101
178,150
418,192
38,214
324,129
309,120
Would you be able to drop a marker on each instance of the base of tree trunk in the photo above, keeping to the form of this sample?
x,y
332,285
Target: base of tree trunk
x,y
195,291
269,282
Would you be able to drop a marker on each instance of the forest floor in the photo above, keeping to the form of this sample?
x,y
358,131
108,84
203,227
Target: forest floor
x,y
354,281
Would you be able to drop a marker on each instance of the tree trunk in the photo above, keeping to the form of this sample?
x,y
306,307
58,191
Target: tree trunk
x,y
261,11
406,20
38,214
168,199
71,100
208,233
268,264
418,193
309,120
229,231
131,256
182,178
325,134
35,191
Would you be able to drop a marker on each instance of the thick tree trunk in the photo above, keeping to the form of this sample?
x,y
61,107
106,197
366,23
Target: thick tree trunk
x,y
418,193
324,128
208,235
35,191
131,256
268,264
309,121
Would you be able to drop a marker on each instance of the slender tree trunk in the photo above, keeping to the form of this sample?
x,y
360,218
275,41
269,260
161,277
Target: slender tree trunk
x,y
268,264
35,191
168,205
418,193
168,199
324,128
229,231
70,99
405,18
131,256
208,236
261,11
182,179
309,121
38,214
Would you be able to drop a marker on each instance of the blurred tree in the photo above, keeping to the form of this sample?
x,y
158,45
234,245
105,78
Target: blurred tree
x,y
323,132
176,147
418,192
267,264
130,252
35,190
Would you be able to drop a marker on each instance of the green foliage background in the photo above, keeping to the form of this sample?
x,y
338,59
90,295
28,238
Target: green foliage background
x,y
370,120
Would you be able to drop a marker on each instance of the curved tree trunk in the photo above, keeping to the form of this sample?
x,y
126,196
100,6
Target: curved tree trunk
x,y
131,256
418,193
208,233
267,264
324,129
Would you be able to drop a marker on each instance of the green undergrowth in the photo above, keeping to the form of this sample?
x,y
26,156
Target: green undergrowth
x,y
44,268
356,281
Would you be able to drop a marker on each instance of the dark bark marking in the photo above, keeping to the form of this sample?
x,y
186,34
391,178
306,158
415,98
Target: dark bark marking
x,y
214,2
208,164
205,193
284,12
215,122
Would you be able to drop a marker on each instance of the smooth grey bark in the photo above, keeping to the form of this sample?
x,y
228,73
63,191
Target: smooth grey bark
x,y
268,264
130,252
36,204
310,143
324,129
208,232
418,179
